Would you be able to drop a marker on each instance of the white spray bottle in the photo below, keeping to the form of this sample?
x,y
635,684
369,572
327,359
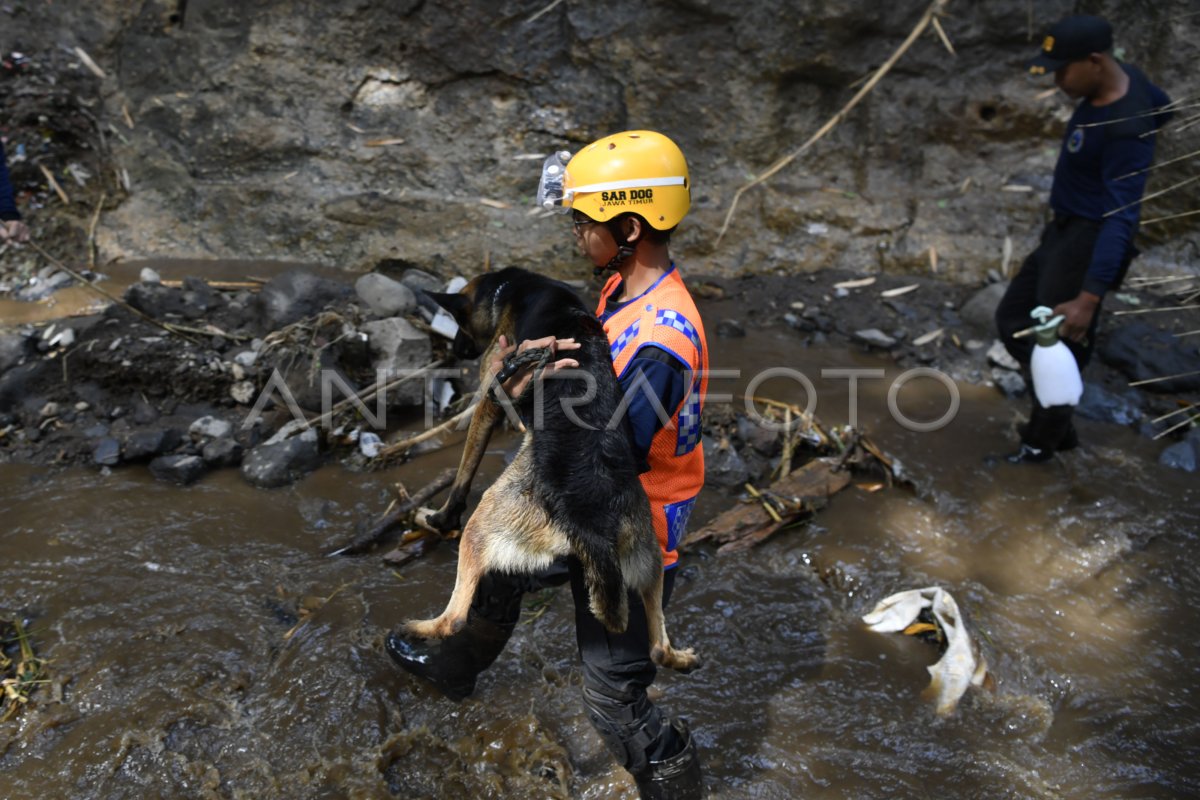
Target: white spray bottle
x,y
1056,378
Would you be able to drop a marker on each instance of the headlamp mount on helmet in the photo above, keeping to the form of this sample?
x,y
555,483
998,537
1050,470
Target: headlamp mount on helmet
x,y
551,193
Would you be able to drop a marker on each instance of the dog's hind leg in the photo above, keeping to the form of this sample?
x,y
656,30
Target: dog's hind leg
x,y
605,584
661,650
471,567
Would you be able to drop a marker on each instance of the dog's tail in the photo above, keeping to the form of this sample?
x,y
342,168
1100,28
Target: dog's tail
x,y
607,597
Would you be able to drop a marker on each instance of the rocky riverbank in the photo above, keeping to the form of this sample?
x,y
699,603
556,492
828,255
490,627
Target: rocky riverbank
x,y
198,375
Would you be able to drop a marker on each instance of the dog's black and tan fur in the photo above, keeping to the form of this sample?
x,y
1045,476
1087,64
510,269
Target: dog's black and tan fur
x,y
572,489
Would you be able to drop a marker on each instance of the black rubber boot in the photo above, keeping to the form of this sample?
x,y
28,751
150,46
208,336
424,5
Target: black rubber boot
x,y
677,777
452,664
1048,431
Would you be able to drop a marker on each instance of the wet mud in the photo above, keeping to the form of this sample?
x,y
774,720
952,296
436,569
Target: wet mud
x,y
202,645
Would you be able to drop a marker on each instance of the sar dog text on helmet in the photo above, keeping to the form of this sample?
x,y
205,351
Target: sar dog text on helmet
x,y
640,172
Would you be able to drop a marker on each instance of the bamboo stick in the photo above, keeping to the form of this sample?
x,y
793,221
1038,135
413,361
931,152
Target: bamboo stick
x,y
165,326
1156,166
934,9
406,444
1169,107
1159,193
1170,216
1170,414
1166,378
250,285
91,245
1153,310
1177,427
379,386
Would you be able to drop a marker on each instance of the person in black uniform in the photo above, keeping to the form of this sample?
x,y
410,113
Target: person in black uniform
x,y
1096,196
11,226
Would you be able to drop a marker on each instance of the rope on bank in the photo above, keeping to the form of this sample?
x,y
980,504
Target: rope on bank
x,y
935,9
84,281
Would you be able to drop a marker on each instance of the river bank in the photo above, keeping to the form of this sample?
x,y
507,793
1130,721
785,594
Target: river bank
x,y
193,374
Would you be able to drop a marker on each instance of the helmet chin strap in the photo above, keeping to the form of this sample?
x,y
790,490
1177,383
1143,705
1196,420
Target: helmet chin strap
x,y
624,251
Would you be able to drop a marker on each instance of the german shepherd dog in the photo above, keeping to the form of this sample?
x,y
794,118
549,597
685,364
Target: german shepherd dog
x,y
573,487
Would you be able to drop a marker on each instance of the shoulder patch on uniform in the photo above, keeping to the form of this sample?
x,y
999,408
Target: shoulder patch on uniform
x,y
1075,141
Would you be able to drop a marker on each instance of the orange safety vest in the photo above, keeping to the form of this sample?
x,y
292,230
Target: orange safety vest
x,y
666,316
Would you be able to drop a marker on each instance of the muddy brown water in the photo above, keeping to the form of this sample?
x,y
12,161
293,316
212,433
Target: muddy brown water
x,y
166,613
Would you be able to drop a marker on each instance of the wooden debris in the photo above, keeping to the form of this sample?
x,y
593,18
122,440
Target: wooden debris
x,y
1166,378
926,338
899,290
251,286
395,449
58,190
937,26
89,63
857,283
1153,310
383,142
21,677
545,10
935,8
373,535
85,282
801,492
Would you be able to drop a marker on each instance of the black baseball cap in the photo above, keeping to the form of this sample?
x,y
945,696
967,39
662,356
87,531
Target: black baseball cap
x,y
1071,39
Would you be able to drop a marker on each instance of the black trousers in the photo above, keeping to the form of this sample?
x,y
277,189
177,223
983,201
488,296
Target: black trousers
x,y
1052,274
617,669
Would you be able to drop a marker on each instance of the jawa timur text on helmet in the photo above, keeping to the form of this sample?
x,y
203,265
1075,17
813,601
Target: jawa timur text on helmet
x,y
634,172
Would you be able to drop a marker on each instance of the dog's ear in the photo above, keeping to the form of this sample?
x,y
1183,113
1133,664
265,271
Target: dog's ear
x,y
459,305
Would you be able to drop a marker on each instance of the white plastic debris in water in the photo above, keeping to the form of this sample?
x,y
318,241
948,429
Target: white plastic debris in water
x,y
443,323
960,666
64,338
369,444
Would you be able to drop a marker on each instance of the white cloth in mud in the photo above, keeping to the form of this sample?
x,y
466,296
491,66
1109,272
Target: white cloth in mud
x,y
960,666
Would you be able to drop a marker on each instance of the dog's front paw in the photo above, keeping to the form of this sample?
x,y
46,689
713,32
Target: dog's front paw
x,y
439,522
679,660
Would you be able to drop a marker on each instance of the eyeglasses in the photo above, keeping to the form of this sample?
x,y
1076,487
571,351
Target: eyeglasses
x,y
578,223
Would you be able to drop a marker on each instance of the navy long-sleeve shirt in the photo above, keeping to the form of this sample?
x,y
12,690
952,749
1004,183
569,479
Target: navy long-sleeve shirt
x,y
665,379
8,205
1090,177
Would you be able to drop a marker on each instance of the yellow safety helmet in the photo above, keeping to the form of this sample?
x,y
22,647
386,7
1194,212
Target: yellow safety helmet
x,y
642,172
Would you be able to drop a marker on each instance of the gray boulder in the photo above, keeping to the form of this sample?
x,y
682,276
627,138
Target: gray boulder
x,y
1009,382
396,346
107,452
1104,406
295,295
156,300
181,469
13,347
723,466
223,452
979,312
1183,455
273,465
384,296
151,442
208,428
1141,352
